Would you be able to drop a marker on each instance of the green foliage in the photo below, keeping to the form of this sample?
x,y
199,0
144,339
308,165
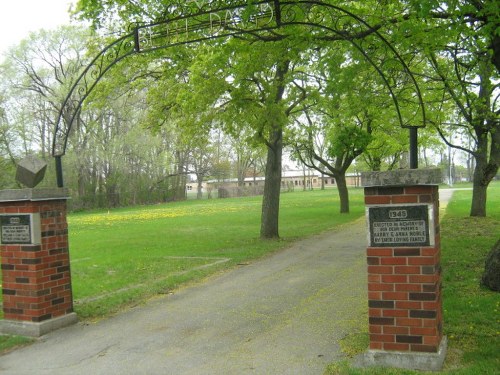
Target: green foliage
x,y
35,76
424,7
345,139
7,177
260,84
103,13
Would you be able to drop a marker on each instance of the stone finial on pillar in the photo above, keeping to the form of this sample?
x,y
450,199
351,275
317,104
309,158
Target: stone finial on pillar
x,y
30,171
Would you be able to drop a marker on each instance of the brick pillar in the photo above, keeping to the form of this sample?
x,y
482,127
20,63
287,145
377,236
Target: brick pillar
x,y
404,272
36,277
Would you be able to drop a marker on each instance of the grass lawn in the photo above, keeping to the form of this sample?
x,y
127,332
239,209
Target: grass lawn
x,y
12,342
125,256
471,313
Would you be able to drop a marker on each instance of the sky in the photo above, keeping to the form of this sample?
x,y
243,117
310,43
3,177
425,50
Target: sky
x,y
20,17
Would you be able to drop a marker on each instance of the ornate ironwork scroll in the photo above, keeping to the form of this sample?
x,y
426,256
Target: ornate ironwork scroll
x,y
206,24
194,21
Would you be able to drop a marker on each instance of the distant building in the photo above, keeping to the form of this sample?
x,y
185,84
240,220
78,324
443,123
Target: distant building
x,y
290,180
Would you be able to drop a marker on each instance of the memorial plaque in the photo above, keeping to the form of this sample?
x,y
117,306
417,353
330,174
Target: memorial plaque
x,y
402,226
20,229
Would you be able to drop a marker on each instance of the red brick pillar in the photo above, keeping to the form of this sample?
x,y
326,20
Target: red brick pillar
x,y
36,277
404,272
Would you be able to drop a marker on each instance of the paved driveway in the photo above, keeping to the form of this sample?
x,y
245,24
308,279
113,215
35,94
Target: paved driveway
x,y
284,314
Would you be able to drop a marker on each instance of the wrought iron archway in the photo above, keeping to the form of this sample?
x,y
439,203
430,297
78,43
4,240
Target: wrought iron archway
x,y
195,21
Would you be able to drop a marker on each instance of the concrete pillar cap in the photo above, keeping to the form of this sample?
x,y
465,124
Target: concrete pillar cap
x,y
13,195
402,177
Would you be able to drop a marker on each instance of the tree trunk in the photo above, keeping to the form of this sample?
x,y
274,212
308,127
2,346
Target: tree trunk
x,y
272,186
485,128
271,200
199,193
376,164
343,193
179,180
479,192
485,171
491,275
304,177
112,196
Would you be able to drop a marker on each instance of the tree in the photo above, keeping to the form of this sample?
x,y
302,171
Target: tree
x,y
250,86
7,157
344,142
35,74
246,155
477,115
352,105
461,42
201,161
463,49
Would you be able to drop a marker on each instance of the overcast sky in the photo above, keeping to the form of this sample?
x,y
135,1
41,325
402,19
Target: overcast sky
x,y
19,17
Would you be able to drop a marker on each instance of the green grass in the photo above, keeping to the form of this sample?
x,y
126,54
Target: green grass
x,y
11,342
471,313
124,256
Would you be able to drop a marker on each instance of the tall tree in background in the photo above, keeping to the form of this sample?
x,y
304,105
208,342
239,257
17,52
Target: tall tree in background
x,y
246,156
343,143
252,86
36,73
461,40
7,157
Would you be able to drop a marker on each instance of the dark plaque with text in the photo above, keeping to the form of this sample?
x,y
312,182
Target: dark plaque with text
x,y
15,229
391,226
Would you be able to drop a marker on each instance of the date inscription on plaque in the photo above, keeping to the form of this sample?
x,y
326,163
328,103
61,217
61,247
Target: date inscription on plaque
x,y
392,225
20,229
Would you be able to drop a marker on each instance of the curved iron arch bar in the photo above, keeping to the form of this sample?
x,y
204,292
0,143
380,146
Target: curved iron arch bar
x,y
87,92
133,41
368,58
281,22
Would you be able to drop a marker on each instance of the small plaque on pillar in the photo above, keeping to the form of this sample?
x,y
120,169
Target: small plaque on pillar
x,y
20,229
401,225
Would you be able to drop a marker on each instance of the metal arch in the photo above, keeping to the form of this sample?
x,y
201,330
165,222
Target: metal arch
x,y
195,21
367,56
141,39
85,83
